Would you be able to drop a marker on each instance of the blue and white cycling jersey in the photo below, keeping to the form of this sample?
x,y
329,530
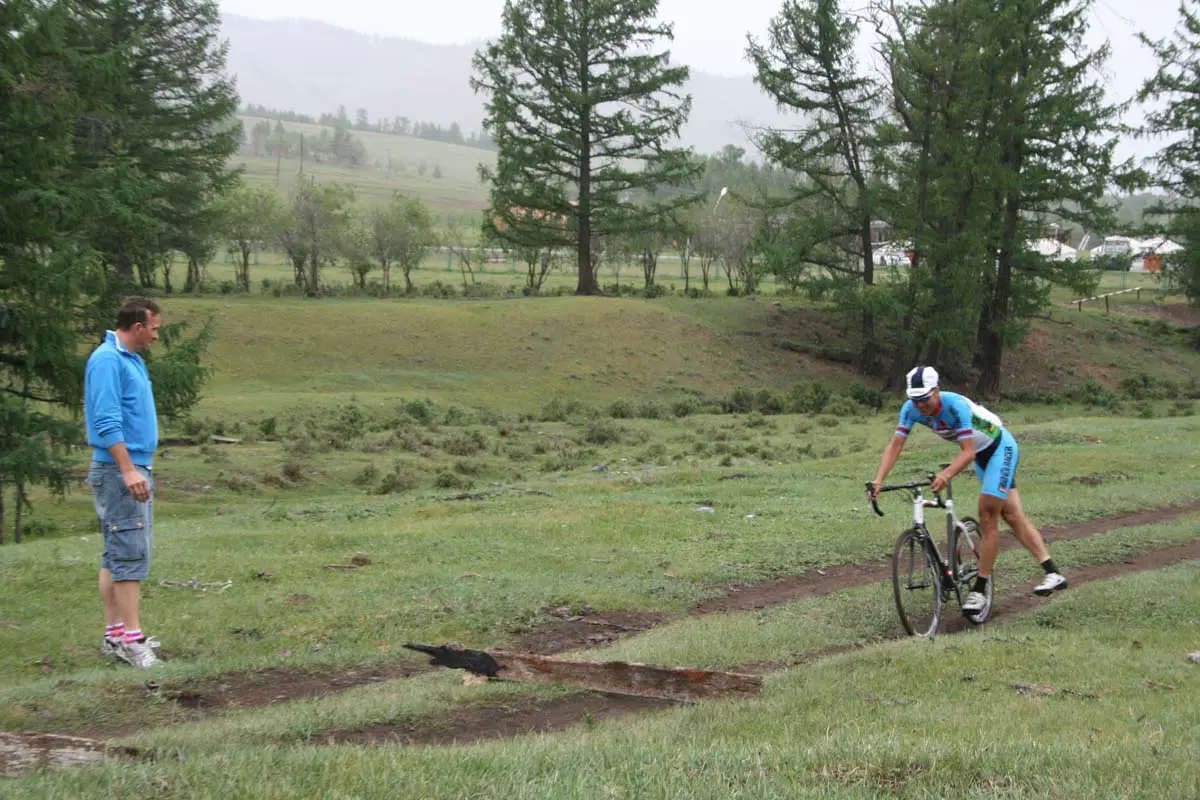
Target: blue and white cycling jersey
x,y
958,419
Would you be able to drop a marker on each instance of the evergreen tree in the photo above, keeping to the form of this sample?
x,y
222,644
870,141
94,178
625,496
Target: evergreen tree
x,y
161,125
1055,133
1177,164
66,175
576,94
809,67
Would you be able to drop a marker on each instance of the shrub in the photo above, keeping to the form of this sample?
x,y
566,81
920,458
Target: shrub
x,y
840,405
1091,393
601,431
457,416
769,403
651,409
450,480
621,409
867,397
349,422
560,410
1143,387
266,427
293,471
367,476
809,397
466,467
685,407
418,410
739,401
466,444
398,480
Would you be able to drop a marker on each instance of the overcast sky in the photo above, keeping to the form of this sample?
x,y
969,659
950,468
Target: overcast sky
x,y
709,34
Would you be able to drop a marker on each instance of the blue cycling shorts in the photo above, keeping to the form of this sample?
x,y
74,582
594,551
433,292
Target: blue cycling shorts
x,y
996,466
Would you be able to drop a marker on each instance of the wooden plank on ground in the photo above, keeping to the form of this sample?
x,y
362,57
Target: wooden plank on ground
x,y
617,677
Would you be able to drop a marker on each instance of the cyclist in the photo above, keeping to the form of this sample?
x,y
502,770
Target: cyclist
x,y
982,438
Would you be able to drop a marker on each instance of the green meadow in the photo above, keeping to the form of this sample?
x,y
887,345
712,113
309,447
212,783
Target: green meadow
x,y
499,460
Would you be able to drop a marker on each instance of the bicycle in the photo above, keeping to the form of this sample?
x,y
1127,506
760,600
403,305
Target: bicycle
x,y
918,565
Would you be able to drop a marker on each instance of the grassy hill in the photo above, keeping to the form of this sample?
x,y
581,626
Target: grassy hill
x,y
514,355
395,163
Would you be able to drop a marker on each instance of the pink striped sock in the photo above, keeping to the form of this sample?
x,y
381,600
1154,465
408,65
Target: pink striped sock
x,y
114,631
132,636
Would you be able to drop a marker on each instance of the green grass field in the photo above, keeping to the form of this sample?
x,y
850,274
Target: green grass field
x,y
499,459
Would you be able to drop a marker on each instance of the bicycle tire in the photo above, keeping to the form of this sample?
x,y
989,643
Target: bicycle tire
x,y
914,568
968,567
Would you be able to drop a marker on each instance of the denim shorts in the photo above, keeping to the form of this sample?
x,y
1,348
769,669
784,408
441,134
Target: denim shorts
x,y
127,525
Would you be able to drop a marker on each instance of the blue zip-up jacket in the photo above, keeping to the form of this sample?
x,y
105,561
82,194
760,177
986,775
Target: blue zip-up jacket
x,y
118,403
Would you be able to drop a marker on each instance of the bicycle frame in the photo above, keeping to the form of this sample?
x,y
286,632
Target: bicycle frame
x,y
953,579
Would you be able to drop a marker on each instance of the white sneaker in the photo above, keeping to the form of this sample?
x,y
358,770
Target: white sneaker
x,y
139,654
110,647
975,602
1051,584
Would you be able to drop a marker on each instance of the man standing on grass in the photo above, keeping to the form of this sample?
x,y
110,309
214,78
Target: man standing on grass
x,y
122,428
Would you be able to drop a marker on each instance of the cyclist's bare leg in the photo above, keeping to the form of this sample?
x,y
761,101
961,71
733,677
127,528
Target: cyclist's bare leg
x,y
990,509
1022,528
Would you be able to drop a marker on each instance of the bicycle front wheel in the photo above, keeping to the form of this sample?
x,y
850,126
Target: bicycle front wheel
x,y
917,584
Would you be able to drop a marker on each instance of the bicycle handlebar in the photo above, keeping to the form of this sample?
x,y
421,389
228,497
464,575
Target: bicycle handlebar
x,y
873,495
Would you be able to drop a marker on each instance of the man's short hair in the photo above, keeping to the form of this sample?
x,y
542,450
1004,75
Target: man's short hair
x,y
135,310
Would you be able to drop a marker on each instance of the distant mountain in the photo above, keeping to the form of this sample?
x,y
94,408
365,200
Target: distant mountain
x,y
313,67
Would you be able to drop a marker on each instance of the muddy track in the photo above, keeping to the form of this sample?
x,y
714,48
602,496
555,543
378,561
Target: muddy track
x,y
558,637
524,716
272,686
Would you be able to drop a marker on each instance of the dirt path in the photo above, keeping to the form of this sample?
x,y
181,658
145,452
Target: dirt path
x,y
580,633
531,716
269,687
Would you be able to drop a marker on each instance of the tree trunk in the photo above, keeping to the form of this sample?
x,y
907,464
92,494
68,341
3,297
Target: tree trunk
x,y
314,272
649,267
192,284
870,350
124,269
386,266
587,283
992,345
18,537
244,270
992,342
298,261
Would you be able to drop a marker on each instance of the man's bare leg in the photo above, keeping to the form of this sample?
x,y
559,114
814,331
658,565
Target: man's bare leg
x,y
1023,529
990,510
109,597
127,595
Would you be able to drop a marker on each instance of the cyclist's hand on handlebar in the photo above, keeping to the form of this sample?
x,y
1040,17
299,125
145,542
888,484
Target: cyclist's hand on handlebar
x,y
938,484
873,489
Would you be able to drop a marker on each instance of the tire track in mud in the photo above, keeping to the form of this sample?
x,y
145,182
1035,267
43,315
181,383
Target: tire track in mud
x,y
239,691
529,715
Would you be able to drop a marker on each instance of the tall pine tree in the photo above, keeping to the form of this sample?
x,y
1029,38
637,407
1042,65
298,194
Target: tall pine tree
x,y
1176,88
1056,136
808,66
581,107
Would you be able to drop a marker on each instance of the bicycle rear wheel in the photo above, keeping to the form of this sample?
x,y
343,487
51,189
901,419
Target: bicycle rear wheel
x,y
966,547
917,584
